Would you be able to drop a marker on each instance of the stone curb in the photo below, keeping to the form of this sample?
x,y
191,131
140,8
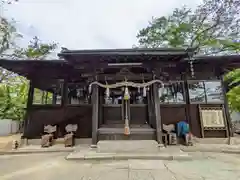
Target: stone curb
x,y
12,152
228,151
109,156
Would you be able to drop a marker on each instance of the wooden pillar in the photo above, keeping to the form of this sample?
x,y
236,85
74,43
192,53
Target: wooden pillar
x,y
151,108
54,98
46,97
43,95
100,108
226,109
95,106
188,104
64,92
29,104
157,114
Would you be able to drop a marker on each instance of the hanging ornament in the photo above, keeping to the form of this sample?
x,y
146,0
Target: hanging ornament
x,y
126,130
89,89
126,94
144,92
162,91
78,93
139,90
107,92
191,67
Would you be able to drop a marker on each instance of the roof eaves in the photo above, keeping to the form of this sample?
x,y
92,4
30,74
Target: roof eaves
x,y
133,51
32,61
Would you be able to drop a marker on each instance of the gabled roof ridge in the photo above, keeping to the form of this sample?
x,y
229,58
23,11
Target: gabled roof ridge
x,y
129,50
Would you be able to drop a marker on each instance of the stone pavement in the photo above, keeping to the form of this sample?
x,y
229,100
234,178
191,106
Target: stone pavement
x,y
169,153
53,167
83,149
221,148
31,149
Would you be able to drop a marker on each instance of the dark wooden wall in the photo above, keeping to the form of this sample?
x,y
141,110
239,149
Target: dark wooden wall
x,y
60,116
195,123
112,114
171,114
138,114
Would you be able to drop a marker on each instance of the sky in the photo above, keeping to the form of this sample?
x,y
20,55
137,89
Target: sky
x,y
88,24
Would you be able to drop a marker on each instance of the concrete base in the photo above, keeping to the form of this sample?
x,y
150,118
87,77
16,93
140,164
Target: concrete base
x,y
131,146
93,146
127,156
37,150
78,141
161,146
210,140
233,140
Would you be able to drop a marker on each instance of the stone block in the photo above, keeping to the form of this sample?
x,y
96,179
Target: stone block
x,y
121,146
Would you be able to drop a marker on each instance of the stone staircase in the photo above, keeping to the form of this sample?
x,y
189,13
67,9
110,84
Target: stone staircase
x,y
122,146
131,149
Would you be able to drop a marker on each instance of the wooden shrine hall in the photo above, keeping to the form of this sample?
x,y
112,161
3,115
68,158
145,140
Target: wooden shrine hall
x,y
122,94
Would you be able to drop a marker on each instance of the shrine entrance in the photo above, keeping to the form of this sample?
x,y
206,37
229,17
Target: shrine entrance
x,y
116,109
126,110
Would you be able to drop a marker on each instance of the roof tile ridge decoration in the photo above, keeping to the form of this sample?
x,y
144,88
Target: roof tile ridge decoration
x,y
66,51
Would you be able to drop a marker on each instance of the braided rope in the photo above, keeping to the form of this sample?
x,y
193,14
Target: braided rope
x,y
126,84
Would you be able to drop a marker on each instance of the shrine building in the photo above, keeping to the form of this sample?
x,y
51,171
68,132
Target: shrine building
x,y
122,94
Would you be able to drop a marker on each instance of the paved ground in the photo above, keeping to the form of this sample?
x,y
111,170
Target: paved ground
x,y
53,166
6,141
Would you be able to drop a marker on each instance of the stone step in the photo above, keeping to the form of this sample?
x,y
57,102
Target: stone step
x,y
126,156
121,125
132,146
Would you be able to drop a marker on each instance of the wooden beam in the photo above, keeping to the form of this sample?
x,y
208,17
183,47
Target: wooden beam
x,y
29,104
95,115
88,67
226,109
157,114
114,77
150,109
54,98
188,105
64,93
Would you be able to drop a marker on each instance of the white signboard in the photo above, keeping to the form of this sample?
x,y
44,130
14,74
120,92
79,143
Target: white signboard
x,y
212,118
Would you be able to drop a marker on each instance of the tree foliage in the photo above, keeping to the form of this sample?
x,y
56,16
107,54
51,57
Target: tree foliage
x,y
13,88
35,50
13,98
212,28
233,78
8,35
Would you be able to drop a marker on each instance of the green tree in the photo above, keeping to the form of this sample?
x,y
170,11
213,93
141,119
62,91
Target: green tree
x,y
14,90
8,35
13,98
35,50
233,80
212,28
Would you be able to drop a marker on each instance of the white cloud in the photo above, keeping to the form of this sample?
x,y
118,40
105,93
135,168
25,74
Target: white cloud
x,y
79,24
